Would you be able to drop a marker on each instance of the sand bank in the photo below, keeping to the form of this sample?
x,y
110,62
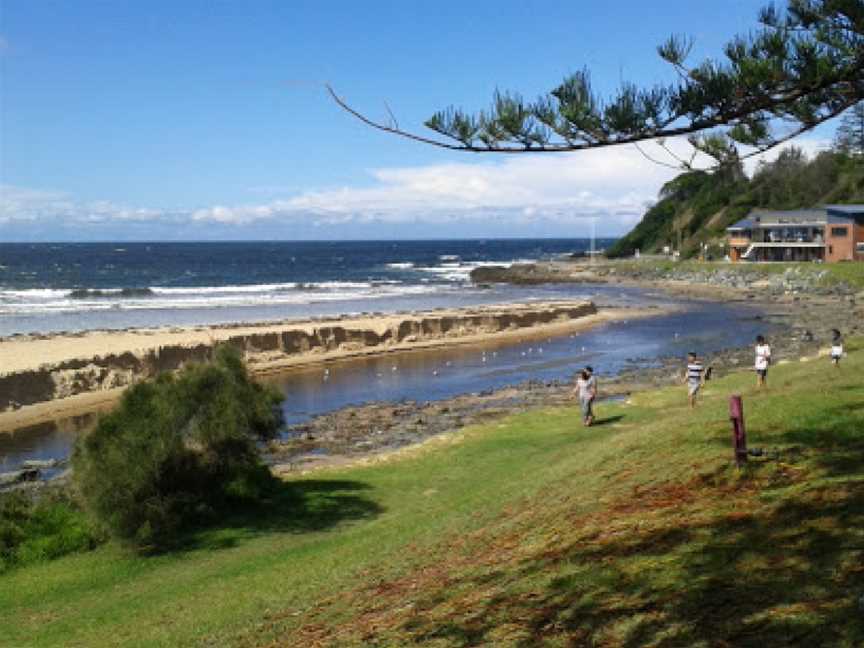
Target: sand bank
x,y
44,377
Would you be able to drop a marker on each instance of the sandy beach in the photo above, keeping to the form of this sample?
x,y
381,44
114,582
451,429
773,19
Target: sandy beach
x,y
50,376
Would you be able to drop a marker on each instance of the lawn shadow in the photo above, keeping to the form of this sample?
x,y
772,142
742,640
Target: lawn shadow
x,y
759,576
607,420
296,507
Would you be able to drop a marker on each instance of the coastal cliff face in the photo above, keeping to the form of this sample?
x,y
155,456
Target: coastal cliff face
x,y
265,350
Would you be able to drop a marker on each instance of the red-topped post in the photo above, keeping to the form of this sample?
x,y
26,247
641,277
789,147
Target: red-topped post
x,y
739,437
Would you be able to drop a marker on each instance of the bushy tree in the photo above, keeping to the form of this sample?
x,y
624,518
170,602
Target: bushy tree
x,y
176,448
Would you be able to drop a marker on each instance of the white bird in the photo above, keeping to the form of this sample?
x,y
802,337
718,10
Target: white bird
x,y
540,350
434,372
395,368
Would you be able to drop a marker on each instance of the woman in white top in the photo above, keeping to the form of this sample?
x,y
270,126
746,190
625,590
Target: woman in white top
x,y
836,347
763,359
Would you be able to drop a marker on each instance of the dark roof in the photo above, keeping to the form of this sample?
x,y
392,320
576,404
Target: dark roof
x,y
759,217
790,216
825,214
846,209
742,224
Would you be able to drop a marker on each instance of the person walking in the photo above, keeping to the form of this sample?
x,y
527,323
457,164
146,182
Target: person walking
x,y
763,359
586,390
836,347
694,377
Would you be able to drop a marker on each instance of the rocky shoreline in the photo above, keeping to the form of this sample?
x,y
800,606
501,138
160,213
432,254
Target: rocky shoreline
x,y
802,322
795,280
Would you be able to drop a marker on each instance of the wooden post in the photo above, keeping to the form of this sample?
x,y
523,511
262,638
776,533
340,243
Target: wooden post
x,y
739,436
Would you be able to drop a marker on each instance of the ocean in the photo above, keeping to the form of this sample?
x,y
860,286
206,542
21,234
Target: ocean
x,y
52,287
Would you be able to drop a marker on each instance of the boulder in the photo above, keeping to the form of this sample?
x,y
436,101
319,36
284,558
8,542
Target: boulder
x,y
18,476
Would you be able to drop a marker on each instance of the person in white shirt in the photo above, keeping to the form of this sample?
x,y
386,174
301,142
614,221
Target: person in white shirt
x,y
586,389
763,359
694,377
836,347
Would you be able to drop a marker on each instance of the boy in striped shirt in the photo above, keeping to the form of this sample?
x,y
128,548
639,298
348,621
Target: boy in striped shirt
x,y
695,377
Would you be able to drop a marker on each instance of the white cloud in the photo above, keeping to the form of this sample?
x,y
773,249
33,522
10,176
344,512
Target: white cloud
x,y
613,184
23,204
603,182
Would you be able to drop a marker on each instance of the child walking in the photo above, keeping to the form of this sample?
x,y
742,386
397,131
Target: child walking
x,y
763,359
694,377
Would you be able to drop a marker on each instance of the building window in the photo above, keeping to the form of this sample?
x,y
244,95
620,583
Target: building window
x,y
859,248
839,231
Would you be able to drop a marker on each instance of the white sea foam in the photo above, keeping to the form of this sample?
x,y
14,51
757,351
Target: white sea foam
x,y
46,301
402,265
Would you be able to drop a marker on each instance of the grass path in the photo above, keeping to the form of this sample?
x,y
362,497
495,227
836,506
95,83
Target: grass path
x,y
525,531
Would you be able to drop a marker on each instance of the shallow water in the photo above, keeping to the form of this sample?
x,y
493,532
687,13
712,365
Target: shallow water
x,y
439,374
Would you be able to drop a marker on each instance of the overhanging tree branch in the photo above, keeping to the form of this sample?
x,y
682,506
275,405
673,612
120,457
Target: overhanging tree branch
x,y
804,67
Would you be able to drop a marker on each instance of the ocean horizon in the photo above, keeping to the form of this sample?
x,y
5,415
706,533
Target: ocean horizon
x,y
52,287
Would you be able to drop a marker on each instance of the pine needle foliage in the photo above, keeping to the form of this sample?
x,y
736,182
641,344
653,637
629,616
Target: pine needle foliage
x,y
176,449
803,65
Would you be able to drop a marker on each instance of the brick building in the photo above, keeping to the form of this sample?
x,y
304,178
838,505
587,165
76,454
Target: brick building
x,y
831,233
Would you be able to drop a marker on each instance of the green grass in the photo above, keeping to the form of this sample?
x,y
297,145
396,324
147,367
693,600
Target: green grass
x,y
530,530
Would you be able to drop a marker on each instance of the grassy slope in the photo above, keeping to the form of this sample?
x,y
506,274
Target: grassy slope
x,y
635,532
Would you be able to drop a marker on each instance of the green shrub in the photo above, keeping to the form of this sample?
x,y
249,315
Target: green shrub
x,y
176,449
41,528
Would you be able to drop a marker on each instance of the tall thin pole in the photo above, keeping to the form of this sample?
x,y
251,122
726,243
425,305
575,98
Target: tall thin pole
x,y
593,236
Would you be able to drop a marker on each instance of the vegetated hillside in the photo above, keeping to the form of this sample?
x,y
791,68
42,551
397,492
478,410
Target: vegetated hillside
x,y
696,207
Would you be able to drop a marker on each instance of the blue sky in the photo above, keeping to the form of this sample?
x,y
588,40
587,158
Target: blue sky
x,y
162,120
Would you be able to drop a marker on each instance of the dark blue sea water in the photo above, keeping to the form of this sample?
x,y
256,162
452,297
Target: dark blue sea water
x,y
49,287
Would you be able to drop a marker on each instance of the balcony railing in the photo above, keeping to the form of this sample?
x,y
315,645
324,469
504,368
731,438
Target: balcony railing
x,y
793,239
